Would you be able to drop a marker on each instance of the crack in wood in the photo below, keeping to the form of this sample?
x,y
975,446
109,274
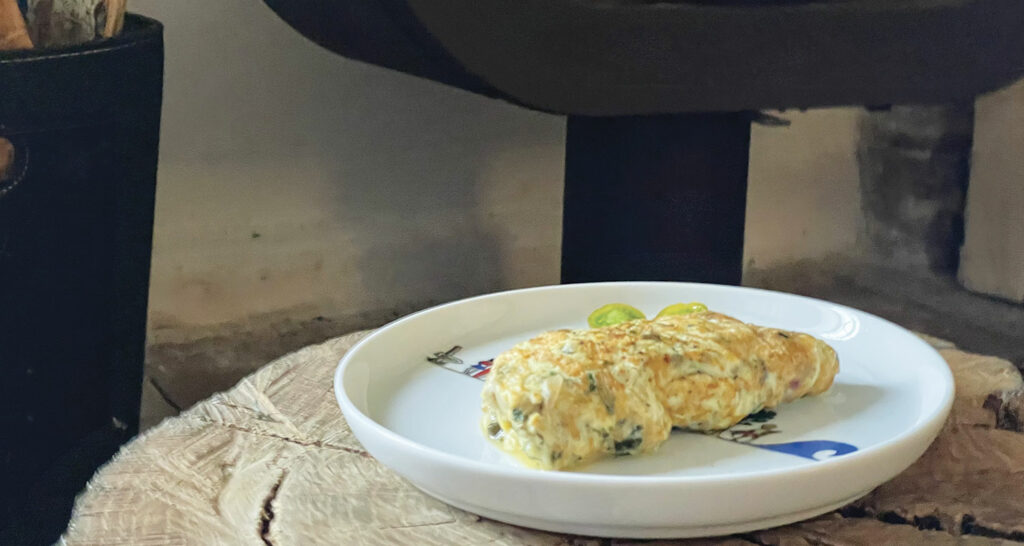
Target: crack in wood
x,y
969,526
1008,408
927,523
303,443
417,525
922,523
968,523
258,415
267,513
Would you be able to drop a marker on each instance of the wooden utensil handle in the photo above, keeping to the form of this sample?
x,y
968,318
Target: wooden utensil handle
x,y
13,32
115,17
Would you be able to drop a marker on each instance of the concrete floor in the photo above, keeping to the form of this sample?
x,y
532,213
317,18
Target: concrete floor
x,y
934,305
187,366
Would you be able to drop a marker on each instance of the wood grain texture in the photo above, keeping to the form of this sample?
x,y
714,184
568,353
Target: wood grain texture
x,y
272,462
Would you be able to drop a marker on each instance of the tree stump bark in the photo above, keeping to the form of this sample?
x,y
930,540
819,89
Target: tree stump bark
x,y
272,462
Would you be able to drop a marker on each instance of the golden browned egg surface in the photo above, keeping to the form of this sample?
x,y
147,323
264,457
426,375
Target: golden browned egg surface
x,y
569,397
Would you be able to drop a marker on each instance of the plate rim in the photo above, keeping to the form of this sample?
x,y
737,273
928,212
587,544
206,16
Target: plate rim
x,y
930,422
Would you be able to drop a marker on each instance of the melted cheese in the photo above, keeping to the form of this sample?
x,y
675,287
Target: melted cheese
x,y
569,397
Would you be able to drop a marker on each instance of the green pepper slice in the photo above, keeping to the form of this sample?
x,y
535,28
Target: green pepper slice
x,y
613,313
683,309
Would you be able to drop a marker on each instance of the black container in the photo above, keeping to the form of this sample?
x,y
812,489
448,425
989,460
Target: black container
x,y
76,222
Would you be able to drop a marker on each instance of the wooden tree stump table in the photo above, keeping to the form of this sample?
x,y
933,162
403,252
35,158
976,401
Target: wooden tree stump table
x,y
272,462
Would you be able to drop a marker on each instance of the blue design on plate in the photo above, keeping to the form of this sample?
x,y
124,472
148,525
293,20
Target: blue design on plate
x,y
816,450
758,425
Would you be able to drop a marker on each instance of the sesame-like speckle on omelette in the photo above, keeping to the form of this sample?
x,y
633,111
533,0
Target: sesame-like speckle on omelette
x,y
568,397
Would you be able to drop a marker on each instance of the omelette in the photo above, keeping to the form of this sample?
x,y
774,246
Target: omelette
x,y
569,397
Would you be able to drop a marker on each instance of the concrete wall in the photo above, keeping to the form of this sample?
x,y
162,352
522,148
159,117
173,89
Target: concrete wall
x,y
803,198
992,261
295,181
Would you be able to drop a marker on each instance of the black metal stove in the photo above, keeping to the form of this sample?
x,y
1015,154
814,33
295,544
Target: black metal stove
x,y
659,95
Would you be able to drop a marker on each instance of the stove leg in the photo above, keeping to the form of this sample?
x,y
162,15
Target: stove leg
x,y
655,198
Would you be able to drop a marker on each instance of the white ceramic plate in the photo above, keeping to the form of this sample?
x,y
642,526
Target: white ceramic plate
x,y
890,399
